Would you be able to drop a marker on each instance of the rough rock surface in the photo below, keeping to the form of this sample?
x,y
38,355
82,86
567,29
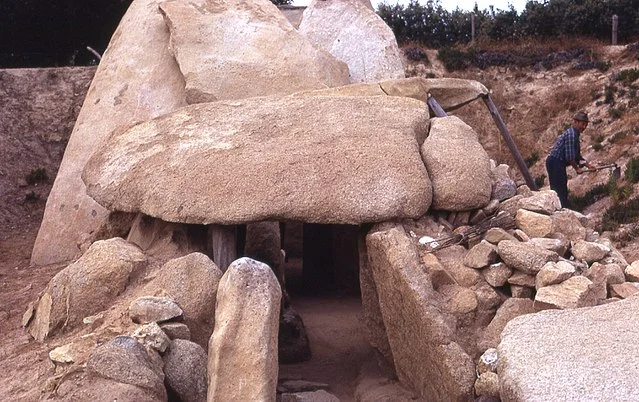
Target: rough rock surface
x,y
235,49
432,363
525,257
583,354
149,84
243,347
459,183
185,370
251,160
85,287
355,35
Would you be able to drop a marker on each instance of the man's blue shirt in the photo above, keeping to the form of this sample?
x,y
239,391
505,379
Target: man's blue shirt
x,y
566,147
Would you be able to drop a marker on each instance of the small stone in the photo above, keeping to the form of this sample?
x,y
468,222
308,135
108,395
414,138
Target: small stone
x,y
481,255
176,330
589,251
315,396
488,361
497,274
495,235
624,290
487,384
632,272
522,279
577,291
521,292
553,273
293,386
152,336
153,309
28,315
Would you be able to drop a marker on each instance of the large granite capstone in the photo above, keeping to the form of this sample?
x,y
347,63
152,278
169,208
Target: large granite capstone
x,y
324,159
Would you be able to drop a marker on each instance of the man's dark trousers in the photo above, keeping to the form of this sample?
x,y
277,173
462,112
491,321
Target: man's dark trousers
x,y
558,178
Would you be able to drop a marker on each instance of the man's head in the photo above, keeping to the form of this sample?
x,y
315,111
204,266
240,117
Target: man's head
x,y
580,121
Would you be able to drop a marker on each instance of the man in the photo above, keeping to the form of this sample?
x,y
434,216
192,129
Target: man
x,y
566,152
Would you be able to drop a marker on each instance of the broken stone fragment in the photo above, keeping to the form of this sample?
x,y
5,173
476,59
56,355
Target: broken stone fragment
x,y
543,202
294,386
559,246
553,273
176,330
589,251
488,361
125,360
522,279
533,224
522,292
313,396
511,308
497,274
495,235
148,309
185,370
152,336
487,384
503,186
524,257
566,223
624,290
632,272
76,351
577,291
604,275
481,255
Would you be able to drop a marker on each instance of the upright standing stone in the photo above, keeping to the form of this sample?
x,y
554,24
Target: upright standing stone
x,y
136,81
243,364
356,35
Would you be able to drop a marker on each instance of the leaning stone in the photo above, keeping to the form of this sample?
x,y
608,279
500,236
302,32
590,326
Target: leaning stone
x,y
522,279
125,360
481,255
495,235
533,223
341,27
239,67
459,184
511,308
487,384
28,315
176,330
632,272
86,287
153,309
553,273
192,281
571,355
314,396
525,257
488,361
152,336
185,370
577,291
243,347
497,274
589,251
624,290
121,95
544,202
433,364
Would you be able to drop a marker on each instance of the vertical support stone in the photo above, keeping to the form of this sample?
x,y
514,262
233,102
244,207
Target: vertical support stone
x,y
243,357
222,243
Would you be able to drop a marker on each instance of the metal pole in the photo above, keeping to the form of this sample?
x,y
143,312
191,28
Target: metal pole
x,y
615,26
510,142
435,107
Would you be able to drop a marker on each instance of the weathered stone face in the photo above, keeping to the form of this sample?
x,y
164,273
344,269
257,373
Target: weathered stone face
x,y
458,166
137,80
356,35
314,159
234,49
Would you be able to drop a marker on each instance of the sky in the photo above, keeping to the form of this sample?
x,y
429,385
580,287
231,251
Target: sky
x,y
451,5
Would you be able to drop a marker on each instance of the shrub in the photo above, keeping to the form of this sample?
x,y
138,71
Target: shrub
x,y
628,76
415,54
619,214
455,59
632,170
591,196
616,112
37,176
609,92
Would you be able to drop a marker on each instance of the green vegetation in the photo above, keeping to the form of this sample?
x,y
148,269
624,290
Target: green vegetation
x,y
632,170
628,76
38,175
619,214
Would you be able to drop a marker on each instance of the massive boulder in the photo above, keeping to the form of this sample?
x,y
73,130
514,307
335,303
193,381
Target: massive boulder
x,y
458,166
349,160
356,35
137,80
582,354
85,287
233,49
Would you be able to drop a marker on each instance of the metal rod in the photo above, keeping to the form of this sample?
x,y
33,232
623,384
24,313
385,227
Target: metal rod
x,y
510,142
435,107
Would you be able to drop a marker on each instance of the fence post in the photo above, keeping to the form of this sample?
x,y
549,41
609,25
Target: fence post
x,y
615,26
472,28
